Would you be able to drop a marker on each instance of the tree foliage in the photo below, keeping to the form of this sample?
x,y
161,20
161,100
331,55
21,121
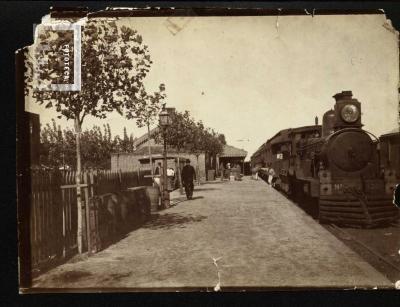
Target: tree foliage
x,y
58,146
185,133
114,63
146,107
178,134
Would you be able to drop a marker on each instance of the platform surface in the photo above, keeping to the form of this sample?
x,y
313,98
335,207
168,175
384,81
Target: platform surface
x,y
245,230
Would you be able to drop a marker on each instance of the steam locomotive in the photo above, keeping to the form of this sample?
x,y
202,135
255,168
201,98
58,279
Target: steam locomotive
x,y
333,171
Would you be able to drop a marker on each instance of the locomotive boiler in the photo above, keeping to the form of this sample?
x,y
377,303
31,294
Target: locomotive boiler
x,y
333,171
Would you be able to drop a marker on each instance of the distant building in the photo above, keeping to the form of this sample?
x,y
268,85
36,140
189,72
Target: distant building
x,y
140,157
233,156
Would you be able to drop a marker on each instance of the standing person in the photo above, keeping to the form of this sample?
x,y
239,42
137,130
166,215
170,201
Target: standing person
x,y
271,176
228,171
254,172
188,175
171,179
157,176
222,170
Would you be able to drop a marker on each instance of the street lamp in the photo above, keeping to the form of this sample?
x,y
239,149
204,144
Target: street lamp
x,y
165,122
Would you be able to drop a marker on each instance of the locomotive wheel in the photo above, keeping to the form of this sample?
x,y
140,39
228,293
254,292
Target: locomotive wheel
x,y
314,207
291,188
298,193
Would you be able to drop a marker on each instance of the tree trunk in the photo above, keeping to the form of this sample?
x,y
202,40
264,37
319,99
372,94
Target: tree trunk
x,y
198,170
217,164
165,191
179,176
150,156
79,235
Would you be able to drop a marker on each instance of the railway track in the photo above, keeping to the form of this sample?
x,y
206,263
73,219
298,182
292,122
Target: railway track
x,y
374,257
366,251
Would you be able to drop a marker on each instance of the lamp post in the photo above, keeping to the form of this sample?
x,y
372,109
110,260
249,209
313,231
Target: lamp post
x,y
165,122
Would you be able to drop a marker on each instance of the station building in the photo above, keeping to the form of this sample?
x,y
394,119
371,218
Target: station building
x,y
140,159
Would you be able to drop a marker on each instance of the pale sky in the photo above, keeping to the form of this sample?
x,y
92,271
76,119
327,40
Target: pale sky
x,y
249,77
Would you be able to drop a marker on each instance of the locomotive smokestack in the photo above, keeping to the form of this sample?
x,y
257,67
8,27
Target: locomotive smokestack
x,y
344,95
316,120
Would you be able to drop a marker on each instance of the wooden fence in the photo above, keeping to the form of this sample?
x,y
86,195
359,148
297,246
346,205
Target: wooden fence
x,y
53,209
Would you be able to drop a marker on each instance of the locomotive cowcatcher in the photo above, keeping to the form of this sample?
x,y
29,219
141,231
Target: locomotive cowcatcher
x,y
333,170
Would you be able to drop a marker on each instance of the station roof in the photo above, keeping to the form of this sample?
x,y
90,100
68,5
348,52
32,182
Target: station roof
x,y
155,149
233,152
144,150
144,138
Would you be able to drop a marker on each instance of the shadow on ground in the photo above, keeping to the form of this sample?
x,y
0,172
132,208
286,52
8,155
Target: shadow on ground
x,y
170,220
182,199
197,197
71,276
178,200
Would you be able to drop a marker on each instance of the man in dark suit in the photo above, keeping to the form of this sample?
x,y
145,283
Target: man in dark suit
x,y
188,175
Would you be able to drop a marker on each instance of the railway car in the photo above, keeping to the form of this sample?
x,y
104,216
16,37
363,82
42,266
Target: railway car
x,y
390,155
333,171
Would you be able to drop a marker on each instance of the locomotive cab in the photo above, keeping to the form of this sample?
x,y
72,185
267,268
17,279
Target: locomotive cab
x,y
347,111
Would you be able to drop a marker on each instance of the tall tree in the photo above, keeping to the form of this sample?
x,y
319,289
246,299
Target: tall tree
x,y
185,133
114,63
213,145
145,110
97,145
221,138
52,142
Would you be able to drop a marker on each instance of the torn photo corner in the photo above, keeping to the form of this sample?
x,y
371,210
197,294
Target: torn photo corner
x,y
208,150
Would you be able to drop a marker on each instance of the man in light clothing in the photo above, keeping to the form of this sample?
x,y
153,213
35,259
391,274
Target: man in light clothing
x,y
271,175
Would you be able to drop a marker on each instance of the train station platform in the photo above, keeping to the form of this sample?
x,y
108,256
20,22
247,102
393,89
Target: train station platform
x,y
232,234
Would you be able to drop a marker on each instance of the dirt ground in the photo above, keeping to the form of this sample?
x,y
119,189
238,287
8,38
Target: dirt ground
x,y
380,241
232,234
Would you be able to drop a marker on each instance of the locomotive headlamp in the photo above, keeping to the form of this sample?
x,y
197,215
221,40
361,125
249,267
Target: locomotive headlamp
x,y
350,113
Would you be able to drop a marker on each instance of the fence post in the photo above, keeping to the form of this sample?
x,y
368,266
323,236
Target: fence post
x,y
87,211
120,179
64,212
94,222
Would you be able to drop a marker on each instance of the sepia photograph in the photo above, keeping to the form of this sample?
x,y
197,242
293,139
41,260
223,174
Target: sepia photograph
x,y
208,150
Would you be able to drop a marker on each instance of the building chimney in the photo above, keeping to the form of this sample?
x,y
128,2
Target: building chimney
x,y
316,120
